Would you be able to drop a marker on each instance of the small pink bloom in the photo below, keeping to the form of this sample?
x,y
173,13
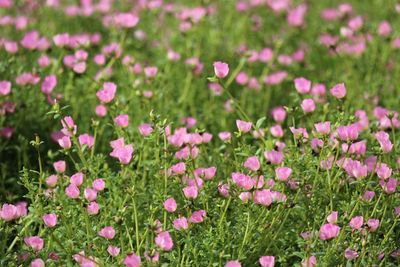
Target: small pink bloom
x,y
356,222
350,254
90,194
328,231
107,94
190,192
107,232
59,166
113,251
224,136
50,220
48,84
339,90
101,110
234,263
122,120
65,142
244,126
164,241
197,216
37,263
72,191
308,105
5,88
181,223
373,224
150,72
384,28
8,212
86,139
93,208
332,218
302,85
76,179
309,262
267,261
132,260
252,163
51,181
35,242
221,69
145,129
263,197
323,127
170,205
98,184
283,173
278,114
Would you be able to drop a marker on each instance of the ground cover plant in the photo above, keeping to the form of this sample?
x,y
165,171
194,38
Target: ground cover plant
x,y
199,133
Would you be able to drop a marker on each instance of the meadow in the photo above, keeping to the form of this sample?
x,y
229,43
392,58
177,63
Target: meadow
x,y
199,133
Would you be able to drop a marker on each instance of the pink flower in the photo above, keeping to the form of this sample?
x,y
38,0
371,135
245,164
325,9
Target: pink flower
x,y
90,194
113,251
181,223
197,216
179,168
50,220
328,231
350,254
234,263
263,197
8,212
295,17
164,241
86,139
323,127
252,163
51,181
98,184
59,166
347,133
368,195
107,94
107,232
356,222
283,173
224,136
35,242
373,224
384,28
150,72
69,127
308,105
93,208
122,120
101,110
309,262
65,142
170,205
302,85
48,84
278,114
332,218
5,88
72,191
221,69
243,181
76,179
121,151
275,157
244,126
267,261
339,90
145,129
242,78
190,192
132,260
37,263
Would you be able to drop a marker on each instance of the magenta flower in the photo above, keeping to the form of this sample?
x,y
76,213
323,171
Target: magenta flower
x,y
373,224
339,90
77,179
170,205
328,231
181,223
72,191
267,261
121,151
98,184
50,220
69,127
107,232
221,69
234,263
107,94
302,85
252,163
145,129
48,84
113,251
90,194
197,216
35,242
283,173
86,139
65,142
122,120
60,166
8,212
190,192
347,133
263,197
244,126
350,254
132,260
164,241
178,168
93,208
356,222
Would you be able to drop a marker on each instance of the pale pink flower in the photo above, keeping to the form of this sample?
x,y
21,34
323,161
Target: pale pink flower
x,y
170,205
221,69
197,216
356,222
181,223
107,232
113,251
338,91
302,85
283,173
132,260
252,163
164,241
243,126
328,231
122,120
50,220
267,261
35,242
107,94
72,191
